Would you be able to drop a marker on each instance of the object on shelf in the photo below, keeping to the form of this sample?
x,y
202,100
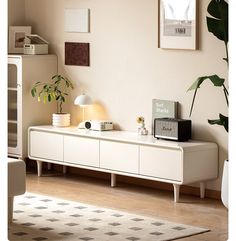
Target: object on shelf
x,y
17,39
141,126
38,45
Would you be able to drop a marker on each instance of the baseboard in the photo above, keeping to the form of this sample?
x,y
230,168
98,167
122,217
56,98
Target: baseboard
x,y
189,190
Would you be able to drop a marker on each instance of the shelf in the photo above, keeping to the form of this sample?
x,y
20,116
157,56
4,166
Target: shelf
x,y
12,89
12,106
12,121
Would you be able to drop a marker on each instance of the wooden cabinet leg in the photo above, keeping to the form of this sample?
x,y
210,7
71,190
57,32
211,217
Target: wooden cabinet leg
x,y
202,189
49,166
176,192
113,179
39,168
64,170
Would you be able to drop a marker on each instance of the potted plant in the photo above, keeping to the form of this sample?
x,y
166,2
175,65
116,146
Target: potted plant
x,y
56,90
217,25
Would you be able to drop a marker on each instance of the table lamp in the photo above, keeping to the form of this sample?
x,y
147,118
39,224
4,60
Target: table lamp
x,y
83,101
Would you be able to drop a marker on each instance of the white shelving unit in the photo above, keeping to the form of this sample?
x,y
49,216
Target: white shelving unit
x,y
23,110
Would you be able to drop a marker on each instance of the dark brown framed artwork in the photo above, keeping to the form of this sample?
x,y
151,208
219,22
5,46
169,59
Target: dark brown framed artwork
x,y
77,54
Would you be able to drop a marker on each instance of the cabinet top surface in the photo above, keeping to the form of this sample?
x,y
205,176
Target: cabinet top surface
x,y
128,137
29,55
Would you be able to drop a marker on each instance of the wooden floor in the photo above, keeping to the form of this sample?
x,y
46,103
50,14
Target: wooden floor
x,y
207,213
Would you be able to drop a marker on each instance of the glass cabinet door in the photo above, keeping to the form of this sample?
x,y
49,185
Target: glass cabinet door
x,y
13,99
12,105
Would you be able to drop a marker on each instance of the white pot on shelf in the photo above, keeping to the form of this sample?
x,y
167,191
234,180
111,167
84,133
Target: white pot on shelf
x,y
224,184
61,119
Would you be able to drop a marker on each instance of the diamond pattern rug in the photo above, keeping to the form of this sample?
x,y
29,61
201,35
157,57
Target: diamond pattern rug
x,y
39,218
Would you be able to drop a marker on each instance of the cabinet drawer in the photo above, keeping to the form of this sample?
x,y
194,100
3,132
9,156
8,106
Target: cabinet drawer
x,y
81,150
46,145
119,156
161,163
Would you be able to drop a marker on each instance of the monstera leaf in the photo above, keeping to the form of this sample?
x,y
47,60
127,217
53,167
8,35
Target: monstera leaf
x,y
218,25
216,81
222,121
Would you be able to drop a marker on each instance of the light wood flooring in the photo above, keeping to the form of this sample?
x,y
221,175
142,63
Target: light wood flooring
x,y
207,213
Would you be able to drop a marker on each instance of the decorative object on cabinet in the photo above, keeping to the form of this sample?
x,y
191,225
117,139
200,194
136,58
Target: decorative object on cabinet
x,y
172,129
83,101
77,54
38,45
126,153
163,109
141,126
177,24
22,112
77,20
97,125
218,26
54,91
17,38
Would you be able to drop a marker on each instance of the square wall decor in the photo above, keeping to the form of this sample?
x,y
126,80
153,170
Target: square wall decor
x,y
77,54
77,20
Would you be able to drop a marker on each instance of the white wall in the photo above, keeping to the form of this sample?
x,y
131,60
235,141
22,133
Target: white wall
x,y
128,70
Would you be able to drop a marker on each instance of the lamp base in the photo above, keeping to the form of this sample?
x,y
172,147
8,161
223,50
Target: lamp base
x,y
81,125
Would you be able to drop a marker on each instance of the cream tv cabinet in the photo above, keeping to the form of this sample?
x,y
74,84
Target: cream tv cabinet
x,y
125,153
23,110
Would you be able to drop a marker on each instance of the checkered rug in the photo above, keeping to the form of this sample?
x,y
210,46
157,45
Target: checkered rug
x,y
41,218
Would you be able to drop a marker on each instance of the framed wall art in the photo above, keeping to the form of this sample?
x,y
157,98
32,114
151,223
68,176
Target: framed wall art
x,y
17,38
77,54
177,24
77,20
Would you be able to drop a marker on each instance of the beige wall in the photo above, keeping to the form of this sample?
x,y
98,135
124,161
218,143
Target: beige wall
x,y
128,70
16,12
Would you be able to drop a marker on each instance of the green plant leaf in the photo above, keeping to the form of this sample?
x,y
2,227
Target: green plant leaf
x,y
215,26
33,92
223,121
218,25
44,99
215,79
51,91
217,7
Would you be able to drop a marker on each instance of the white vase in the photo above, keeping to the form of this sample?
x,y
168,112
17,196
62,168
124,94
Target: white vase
x,y
61,119
224,184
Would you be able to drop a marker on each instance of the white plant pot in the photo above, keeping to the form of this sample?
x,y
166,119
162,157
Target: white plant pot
x,y
61,119
224,184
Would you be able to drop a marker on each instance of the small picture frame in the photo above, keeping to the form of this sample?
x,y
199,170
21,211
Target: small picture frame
x,y
177,24
17,38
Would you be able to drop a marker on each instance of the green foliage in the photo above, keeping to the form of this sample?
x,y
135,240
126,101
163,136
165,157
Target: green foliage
x,y
53,91
218,25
